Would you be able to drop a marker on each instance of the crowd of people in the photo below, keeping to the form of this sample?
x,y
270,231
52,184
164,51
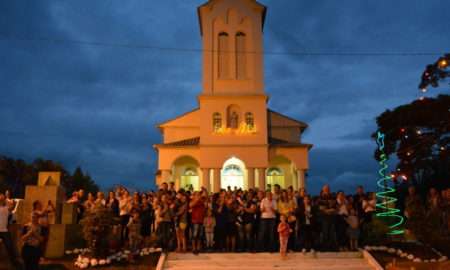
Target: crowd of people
x,y
232,220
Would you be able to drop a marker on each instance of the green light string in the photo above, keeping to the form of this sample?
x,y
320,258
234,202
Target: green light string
x,y
385,196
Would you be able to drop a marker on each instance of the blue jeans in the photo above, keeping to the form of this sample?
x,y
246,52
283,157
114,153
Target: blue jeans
x,y
197,231
267,234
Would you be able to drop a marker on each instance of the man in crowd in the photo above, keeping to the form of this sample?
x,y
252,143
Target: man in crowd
x,y
5,235
268,208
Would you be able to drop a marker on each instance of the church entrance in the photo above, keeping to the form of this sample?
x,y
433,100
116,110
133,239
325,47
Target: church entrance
x,y
232,174
190,180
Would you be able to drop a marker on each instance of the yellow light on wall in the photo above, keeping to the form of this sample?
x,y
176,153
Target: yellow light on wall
x,y
243,129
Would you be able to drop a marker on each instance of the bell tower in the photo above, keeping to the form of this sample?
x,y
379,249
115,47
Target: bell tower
x,y
232,37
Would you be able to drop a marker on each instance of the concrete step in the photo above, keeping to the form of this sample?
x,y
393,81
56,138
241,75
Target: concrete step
x,y
266,261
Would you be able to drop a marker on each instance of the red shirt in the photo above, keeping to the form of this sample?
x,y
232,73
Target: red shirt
x,y
283,230
198,212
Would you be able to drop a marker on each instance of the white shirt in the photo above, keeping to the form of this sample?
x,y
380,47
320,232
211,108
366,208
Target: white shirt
x,y
268,208
124,205
4,213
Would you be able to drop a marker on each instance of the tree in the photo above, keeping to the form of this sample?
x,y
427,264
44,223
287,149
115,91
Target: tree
x,y
79,180
16,174
434,73
419,135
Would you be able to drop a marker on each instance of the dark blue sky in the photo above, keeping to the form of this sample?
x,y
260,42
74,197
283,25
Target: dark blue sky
x,y
97,106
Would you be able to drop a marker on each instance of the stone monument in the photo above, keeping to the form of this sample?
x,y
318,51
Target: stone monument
x,y
64,233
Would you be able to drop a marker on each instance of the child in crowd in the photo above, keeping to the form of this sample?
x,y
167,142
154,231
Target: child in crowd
x,y
210,224
283,230
134,232
353,228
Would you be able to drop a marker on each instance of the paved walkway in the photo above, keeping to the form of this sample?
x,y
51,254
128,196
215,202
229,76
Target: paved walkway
x,y
266,261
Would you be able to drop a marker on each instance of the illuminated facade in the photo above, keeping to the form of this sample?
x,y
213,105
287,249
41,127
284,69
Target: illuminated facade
x,y
232,138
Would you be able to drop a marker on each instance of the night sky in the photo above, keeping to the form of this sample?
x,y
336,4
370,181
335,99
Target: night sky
x,y
96,106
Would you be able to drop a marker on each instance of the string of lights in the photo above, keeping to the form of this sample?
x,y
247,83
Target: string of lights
x,y
385,197
4,36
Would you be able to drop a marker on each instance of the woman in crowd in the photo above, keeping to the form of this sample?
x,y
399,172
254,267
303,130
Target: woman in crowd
x,y
341,224
181,221
112,203
124,213
32,238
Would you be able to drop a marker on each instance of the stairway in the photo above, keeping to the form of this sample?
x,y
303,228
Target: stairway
x,y
266,261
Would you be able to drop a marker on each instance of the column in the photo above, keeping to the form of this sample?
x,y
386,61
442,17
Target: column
x,y
251,178
301,179
217,180
205,179
262,178
294,180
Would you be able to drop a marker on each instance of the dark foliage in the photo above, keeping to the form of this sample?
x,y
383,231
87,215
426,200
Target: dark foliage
x,y
419,135
16,174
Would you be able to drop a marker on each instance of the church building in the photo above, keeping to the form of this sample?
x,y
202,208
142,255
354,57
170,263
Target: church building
x,y
232,138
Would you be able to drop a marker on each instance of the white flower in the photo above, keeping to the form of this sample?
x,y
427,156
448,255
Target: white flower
x,y
399,252
158,249
108,261
76,251
68,252
102,262
127,252
433,260
383,248
410,257
94,262
417,260
151,250
368,248
426,261
442,259
391,250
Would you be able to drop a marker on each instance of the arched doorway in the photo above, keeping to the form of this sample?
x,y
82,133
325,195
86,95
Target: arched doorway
x,y
185,173
189,180
232,174
275,176
280,171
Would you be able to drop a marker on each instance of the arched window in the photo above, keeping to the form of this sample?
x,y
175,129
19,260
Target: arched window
x,y
241,56
217,121
249,120
223,54
233,115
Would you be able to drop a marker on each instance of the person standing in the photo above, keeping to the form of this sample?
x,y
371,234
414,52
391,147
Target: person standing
x,y
124,213
209,223
306,223
268,208
197,206
165,224
5,236
327,208
32,238
283,230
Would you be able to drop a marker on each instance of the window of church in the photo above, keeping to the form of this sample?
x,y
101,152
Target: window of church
x,y
223,55
249,121
217,121
241,56
233,116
